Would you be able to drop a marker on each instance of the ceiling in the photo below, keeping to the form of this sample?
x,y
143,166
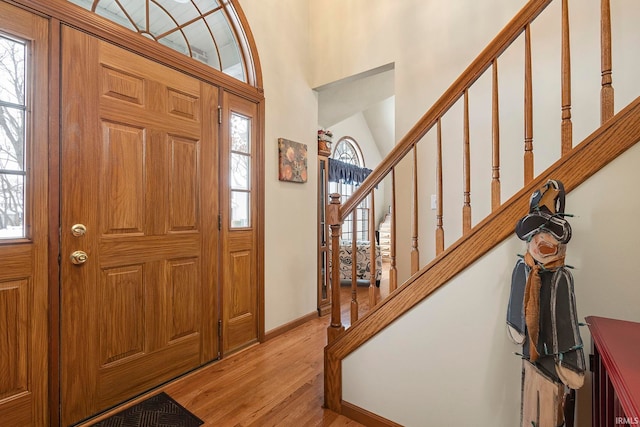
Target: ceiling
x,y
370,93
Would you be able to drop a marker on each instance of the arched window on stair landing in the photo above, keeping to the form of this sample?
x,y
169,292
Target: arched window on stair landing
x,y
206,30
348,151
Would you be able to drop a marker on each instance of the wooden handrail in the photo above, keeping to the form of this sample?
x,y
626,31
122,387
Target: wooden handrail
x,y
482,62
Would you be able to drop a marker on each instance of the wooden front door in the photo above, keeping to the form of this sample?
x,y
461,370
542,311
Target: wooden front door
x,y
23,217
139,229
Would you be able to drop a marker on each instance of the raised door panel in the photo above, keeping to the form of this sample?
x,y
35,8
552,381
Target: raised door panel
x,y
123,176
184,299
122,332
14,341
184,184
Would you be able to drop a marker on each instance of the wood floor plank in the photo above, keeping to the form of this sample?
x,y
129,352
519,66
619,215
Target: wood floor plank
x,y
278,383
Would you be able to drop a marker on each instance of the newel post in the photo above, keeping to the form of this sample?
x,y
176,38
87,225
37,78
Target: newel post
x,y
333,219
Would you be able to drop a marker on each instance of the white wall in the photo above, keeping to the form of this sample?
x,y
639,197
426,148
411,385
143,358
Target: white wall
x,y
280,28
449,359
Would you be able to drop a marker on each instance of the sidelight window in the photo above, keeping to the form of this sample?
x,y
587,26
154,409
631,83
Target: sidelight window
x,y
13,108
240,171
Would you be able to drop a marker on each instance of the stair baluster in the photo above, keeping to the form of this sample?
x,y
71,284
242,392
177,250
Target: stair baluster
x,y
606,93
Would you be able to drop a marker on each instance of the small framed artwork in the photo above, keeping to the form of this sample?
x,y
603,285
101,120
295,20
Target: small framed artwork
x,y
292,161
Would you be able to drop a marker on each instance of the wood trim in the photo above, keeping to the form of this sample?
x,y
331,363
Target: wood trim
x,y
597,150
275,332
365,417
54,222
260,221
482,62
81,19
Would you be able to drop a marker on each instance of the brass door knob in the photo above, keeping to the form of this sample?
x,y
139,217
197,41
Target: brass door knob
x,y
79,257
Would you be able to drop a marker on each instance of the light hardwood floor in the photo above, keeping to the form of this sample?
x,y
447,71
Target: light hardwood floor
x,y
277,383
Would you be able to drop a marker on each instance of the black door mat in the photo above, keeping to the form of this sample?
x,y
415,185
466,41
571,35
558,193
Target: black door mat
x,y
157,411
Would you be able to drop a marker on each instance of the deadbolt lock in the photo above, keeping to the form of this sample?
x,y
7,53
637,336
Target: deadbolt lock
x,y
79,257
78,230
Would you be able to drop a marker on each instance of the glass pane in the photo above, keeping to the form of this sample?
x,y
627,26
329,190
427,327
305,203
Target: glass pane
x,y
240,209
12,71
202,46
175,41
230,56
12,134
239,172
206,5
323,278
82,3
11,206
240,138
363,224
322,202
112,11
160,22
347,228
181,10
12,138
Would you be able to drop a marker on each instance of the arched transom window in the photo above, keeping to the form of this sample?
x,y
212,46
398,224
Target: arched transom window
x,y
201,29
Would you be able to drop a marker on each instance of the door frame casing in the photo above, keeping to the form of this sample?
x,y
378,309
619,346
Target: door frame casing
x,y
61,12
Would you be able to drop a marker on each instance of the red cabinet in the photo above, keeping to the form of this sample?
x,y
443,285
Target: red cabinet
x,y
616,372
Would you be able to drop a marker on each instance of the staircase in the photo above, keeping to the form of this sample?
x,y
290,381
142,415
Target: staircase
x,y
617,132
